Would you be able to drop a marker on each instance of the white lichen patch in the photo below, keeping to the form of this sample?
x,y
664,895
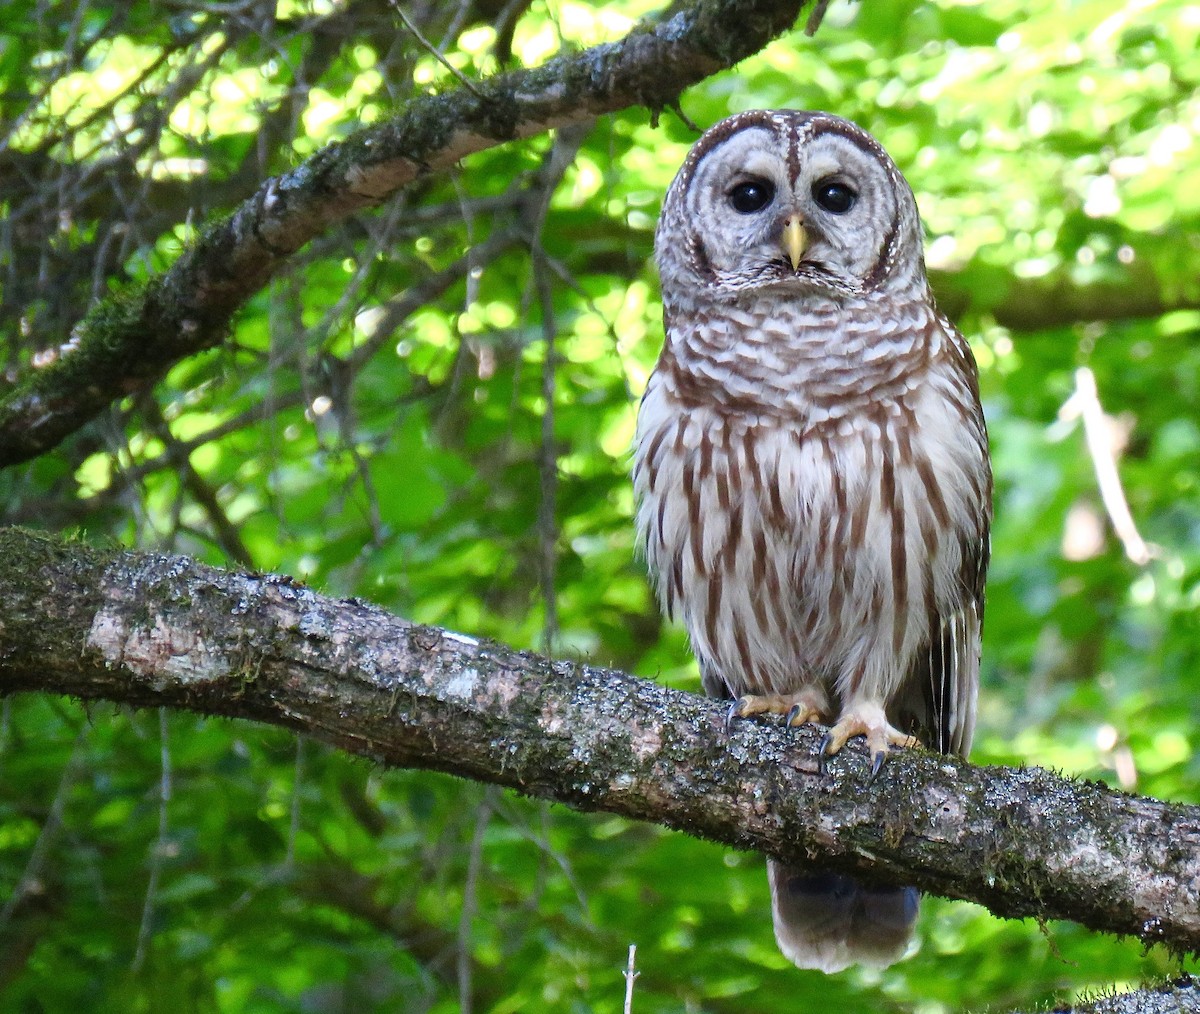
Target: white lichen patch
x,y
161,653
826,832
552,93
314,624
108,636
462,685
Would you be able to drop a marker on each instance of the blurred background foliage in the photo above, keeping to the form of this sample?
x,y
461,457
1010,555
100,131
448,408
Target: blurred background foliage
x,y
432,408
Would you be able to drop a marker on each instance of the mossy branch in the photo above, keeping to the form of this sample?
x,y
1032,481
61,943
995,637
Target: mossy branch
x,y
131,339
150,630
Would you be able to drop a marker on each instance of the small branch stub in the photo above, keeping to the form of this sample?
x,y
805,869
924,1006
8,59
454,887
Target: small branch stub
x,y
630,975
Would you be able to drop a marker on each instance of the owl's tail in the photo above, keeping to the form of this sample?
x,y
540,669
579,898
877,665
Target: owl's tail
x,y
829,921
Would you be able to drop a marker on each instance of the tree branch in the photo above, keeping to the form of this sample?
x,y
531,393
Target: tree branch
x,y
1174,997
153,630
1034,304
130,339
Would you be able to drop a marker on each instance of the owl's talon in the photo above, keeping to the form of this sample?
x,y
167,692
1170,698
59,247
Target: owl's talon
x,y
864,719
824,753
807,705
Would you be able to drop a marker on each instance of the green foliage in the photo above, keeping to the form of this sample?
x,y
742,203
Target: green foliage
x,y
450,466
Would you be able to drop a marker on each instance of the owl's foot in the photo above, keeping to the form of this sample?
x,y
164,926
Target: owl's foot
x,y
864,718
808,705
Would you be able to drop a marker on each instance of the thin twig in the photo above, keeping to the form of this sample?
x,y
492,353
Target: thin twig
x,y
686,120
399,308
471,898
630,974
225,532
433,51
294,824
1085,403
465,9
815,17
541,840
547,522
567,142
31,876
383,235
159,852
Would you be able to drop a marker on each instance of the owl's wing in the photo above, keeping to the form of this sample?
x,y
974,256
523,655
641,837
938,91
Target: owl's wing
x,y
938,697
943,685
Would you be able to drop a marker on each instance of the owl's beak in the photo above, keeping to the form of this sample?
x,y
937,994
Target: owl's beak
x,y
794,239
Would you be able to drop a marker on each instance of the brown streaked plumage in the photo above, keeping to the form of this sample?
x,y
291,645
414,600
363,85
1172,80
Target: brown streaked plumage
x,y
814,493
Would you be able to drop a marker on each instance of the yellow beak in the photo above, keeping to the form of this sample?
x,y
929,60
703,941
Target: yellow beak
x,y
794,240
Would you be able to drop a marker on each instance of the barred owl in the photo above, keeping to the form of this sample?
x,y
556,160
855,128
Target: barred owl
x,y
811,469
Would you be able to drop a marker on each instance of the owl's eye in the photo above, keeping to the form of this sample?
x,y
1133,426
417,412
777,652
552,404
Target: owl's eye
x,y
751,196
835,197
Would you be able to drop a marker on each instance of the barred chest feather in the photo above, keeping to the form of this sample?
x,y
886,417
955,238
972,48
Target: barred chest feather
x,y
812,529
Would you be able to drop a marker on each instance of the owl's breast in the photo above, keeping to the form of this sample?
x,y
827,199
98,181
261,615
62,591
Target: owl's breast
x,y
800,365
806,549
714,528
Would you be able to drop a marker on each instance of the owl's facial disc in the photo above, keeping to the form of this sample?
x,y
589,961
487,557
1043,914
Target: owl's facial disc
x,y
802,202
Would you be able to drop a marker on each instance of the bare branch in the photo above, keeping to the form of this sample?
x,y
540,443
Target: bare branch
x,y
164,631
1034,304
630,974
1097,428
465,81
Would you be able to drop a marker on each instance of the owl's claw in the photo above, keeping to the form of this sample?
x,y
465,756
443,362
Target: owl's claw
x,y
808,705
868,720
823,753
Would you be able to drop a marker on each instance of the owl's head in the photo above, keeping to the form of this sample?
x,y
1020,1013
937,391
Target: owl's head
x,y
793,201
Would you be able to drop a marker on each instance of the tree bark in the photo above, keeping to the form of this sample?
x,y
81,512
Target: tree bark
x,y
1182,994
1035,304
151,630
131,339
